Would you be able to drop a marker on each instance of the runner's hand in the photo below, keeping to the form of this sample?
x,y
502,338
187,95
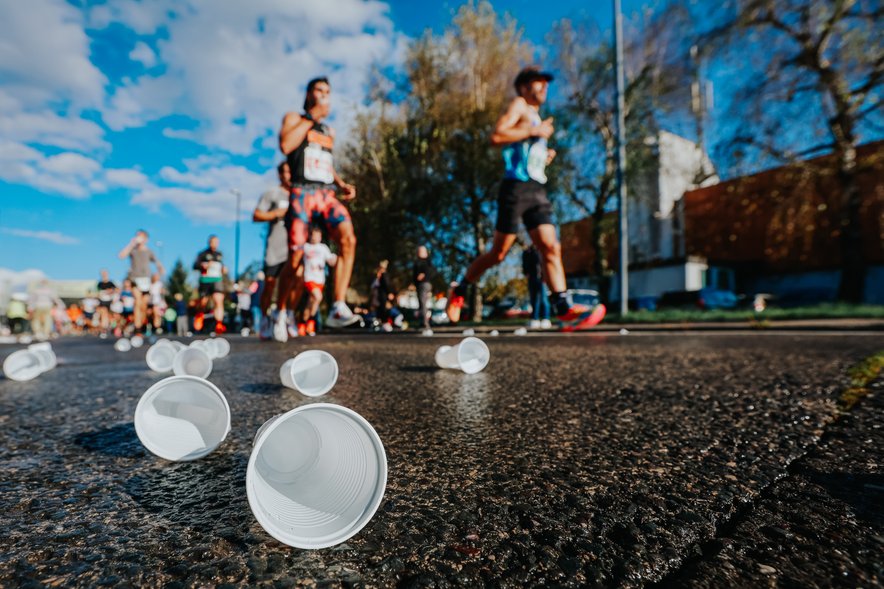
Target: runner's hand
x,y
550,154
545,129
348,191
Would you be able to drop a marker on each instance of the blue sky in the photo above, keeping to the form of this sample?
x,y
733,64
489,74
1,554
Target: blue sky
x,y
123,114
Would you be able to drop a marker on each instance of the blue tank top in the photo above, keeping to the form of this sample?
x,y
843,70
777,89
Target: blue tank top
x,y
526,160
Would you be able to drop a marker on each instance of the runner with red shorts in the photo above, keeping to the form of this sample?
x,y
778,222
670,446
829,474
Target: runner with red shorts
x,y
308,145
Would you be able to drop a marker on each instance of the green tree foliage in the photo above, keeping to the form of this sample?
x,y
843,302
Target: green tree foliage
x,y
177,282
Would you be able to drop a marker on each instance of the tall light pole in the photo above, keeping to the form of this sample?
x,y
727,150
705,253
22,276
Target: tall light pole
x,y
621,161
236,238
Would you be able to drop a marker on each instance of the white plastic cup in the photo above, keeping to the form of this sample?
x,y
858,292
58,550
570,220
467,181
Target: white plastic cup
x,y
520,331
219,347
469,332
316,476
471,355
494,333
182,418
179,346
192,362
122,345
312,372
160,356
137,341
44,352
22,365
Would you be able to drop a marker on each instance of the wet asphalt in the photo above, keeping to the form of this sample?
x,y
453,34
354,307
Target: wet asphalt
x,y
682,460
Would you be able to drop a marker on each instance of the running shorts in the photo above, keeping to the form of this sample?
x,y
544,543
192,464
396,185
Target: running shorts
x,y
312,203
522,200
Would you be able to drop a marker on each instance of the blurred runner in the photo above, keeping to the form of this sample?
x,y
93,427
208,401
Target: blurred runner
x,y
308,143
523,135
210,263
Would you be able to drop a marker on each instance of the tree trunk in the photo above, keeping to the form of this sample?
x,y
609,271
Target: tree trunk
x,y
599,262
853,264
477,292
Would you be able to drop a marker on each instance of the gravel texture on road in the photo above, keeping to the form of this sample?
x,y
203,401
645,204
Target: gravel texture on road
x,y
592,460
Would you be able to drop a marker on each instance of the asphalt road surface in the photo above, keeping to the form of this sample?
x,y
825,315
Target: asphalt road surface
x,y
682,460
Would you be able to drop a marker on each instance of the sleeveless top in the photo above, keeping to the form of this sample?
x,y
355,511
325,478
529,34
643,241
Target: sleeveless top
x,y
526,160
311,162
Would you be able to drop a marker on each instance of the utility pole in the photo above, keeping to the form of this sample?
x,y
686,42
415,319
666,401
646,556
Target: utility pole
x,y
621,161
236,255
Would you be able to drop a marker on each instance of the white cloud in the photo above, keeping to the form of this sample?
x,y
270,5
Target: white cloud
x,y
126,178
44,54
71,164
262,54
50,236
142,53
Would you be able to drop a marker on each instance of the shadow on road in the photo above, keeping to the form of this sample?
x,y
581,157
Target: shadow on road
x,y
261,388
119,440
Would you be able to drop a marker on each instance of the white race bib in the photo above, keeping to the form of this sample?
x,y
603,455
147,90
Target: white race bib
x,y
536,165
318,165
214,270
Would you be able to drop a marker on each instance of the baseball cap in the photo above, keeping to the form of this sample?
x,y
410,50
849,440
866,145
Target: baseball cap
x,y
531,73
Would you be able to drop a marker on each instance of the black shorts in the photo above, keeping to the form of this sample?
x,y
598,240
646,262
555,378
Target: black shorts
x,y
273,271
207,289
522,200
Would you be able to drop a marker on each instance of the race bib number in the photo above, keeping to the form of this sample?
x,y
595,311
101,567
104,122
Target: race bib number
x,y
537,162
214,270
318,165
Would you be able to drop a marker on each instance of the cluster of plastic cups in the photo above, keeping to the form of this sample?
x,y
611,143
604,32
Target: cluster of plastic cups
x,y
30,363
193,360
316,474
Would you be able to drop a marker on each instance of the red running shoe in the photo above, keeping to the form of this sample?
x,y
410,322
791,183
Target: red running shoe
x,y
311,327
302,329
220,328
198,320
573,312
454,306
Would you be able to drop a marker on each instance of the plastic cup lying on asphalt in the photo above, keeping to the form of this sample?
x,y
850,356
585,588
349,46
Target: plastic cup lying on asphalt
x,y
137,341
44,352
160,356
469,331
520,331
23,365
316,475
471,355
122,345
182,418
219,347
312,372
494,333
192,362
179,346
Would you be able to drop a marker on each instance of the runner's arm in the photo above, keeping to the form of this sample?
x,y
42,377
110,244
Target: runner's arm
x,y
507,129
293,132
348,191
124,253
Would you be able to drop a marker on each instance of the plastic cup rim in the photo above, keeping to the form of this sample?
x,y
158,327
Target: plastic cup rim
x,y
268,524
154,389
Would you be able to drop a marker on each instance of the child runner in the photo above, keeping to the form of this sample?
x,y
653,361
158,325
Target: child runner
x,y
316,257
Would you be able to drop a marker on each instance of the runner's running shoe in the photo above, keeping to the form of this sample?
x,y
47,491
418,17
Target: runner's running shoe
x,y
302,329
311,327
341,316
220,328
454,306
198,320
280,329
574,312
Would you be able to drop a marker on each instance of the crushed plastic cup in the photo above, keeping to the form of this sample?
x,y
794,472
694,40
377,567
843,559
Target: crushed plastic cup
x,y
312,372
22,365
218,346
182,418
624,331
122,345
469,332
494,333
471,356
520,331
161,356
316,475
137,341
192,362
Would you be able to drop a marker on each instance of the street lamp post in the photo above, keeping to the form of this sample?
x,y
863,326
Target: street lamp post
x,y
621,161
236,238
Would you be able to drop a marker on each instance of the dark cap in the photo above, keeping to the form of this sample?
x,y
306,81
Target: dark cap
x,y
529,74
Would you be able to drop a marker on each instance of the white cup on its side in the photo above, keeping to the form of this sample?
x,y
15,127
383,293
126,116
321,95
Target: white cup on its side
x,y
137,341
312,372
23,365
316,475
182,418
471,355
193,362
122,345
44,351
160,356
219,346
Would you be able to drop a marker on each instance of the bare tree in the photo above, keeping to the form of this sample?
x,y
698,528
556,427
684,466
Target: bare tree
x,y
818,68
